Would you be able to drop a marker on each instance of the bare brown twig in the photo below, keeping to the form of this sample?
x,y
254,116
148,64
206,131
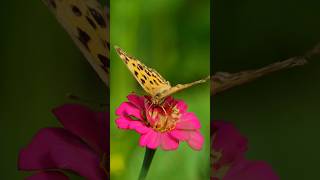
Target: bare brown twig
x,y
222,81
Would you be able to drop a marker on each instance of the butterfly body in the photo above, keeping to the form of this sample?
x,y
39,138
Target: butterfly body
x,y
150,80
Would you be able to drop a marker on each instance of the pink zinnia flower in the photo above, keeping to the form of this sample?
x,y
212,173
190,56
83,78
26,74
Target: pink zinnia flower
x,y
228,156
81,146
165,125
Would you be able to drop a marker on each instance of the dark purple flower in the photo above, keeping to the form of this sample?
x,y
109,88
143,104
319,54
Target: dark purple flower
x,y
81,147
228,156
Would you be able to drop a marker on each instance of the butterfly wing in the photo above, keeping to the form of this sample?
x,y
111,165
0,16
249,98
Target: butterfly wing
x,y
85,21
222,81
180,87
149,79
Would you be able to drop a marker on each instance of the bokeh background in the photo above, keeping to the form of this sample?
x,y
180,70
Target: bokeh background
x,y
172,37
39,65
279,113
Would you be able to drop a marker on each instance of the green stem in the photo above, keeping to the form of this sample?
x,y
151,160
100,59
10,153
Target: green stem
x,y
148,156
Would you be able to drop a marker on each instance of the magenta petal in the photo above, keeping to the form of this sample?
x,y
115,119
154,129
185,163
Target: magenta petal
x,y
168,142
139,127
145,138
123,122
182,106
154,140
91,126
127,123
128,109
151,139
188,121
196,140
57,148
48,175
181,135
229,141
136,100
251,170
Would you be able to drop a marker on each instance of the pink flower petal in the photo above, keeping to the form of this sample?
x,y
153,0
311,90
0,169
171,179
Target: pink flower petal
x,y
168,142
139,127
123,122
154,140
128,109
48,175
57,148
90,126
196,140
250,170
144,139
182,106
188,121
228,140
136,100
181,135
127,123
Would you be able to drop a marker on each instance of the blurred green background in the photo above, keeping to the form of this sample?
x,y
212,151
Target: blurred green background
x,y
172,37
279,113
39,65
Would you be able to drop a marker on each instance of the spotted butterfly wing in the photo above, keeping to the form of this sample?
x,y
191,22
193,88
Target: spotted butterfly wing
x,y
180,87
85,21
150,80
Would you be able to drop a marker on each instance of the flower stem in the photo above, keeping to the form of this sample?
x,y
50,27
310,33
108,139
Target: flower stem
x,y
148,156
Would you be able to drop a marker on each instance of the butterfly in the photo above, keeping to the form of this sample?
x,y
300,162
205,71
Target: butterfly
x,y
151,81
86,23
222,81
